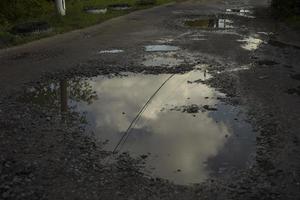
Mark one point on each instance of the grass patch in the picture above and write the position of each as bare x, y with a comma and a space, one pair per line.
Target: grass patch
15, 13
287, 11
293, 21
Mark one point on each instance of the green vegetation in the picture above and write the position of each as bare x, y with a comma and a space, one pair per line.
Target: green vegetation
14, 12
288, 11
286, 8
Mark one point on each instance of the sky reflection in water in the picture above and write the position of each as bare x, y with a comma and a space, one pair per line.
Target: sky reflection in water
181, 146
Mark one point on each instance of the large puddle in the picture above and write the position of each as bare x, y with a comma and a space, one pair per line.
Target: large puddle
177, 124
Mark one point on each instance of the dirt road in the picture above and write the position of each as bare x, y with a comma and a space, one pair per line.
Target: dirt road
191, 100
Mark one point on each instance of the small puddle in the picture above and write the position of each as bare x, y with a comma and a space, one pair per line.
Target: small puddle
240, 12
251, 43
161, 48
210, 23
112, 51
184, 133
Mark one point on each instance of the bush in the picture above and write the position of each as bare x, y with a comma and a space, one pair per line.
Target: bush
286, 8
21, 10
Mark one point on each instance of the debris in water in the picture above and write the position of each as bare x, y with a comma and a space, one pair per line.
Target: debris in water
144, 156
207, 107
191, 109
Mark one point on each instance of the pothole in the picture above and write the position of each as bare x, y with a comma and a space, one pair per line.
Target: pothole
161, 48
178, 126
251, 43
111, 51
240, 12
169, 59
209, 23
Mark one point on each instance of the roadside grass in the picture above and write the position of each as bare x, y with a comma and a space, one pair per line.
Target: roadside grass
293, 21
76, 18
287, 11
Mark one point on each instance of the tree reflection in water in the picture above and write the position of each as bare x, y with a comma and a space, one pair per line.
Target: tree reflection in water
60, 95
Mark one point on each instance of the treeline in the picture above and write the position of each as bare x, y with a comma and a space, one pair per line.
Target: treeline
286, 8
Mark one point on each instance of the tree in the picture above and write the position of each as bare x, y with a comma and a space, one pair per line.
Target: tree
22, 10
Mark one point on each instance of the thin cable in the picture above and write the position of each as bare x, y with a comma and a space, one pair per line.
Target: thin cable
171, 93
139, 114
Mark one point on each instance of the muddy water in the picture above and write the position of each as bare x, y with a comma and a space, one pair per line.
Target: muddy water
185, 133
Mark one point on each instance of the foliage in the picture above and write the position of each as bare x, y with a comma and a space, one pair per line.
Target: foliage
286, 8
49, 93
17, 10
